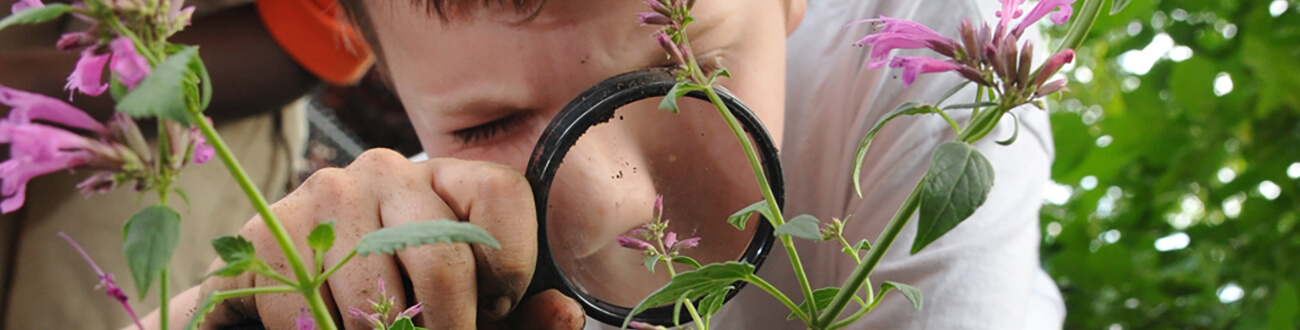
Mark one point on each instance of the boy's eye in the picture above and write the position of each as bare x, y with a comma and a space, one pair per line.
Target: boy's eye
486, 131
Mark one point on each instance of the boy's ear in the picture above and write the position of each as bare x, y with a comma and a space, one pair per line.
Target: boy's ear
794, 10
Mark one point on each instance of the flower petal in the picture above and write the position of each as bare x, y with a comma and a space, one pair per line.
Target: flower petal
633, 243
22, 5
916, 65
88, 75
129, 66
31, 106
1042, 9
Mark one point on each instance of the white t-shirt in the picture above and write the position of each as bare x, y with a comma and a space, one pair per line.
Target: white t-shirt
985, 273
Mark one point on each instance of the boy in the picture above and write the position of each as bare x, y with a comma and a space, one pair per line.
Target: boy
480, 80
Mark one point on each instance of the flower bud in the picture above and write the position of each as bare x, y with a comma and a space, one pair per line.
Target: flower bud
674, 53
1051, 88
635, 244
653, 18
1053, 65
1026, 60
969, 41
76, 41
123, 129
658, 7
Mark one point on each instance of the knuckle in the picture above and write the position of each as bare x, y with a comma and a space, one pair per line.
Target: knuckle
327, 179
379, 161
498, 178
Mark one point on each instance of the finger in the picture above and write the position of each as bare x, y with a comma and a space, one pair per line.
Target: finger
498, 199
547, 310
386, 175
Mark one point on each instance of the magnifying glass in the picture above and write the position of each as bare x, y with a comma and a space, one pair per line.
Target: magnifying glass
596, 173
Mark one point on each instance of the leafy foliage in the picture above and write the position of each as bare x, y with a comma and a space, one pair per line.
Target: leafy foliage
36, 15
236, 252
803, 226
392, 239
740, 217
905, 109
695, 284
156, 95
149, 238
911, 293
957, 183
1178, 201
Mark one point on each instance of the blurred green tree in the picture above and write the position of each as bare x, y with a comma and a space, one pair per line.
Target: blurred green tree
1177, 160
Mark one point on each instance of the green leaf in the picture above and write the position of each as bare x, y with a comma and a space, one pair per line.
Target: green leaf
237, 252
1283, 310
907, 108
184, 197
687, 261
719, 73
912, 293
650, 262
803, 226
970, 105
1117, 5
159, 94
200, 70
209, 305
679, 90
952, 92
402, 324
957, 183
390, 240
36, 15
863, 245
1014, 133
694, 284
149, 238
321, 238
712, 302
822, 297
739, 218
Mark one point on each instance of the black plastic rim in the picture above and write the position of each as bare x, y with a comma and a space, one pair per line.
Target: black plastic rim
597, 105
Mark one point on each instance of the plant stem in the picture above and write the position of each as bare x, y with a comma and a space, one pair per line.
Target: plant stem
859, 275
858, 315
761, 284
852, 251
163, 298
1082, 24
328, 272
699, 322
757, 167
273, 224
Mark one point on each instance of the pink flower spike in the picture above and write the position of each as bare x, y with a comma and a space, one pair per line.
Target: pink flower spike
27, 107
129, 66
902, 34
412, 312
88, 76
105, 280
357, 313
305, 321
916, 65
1042, 9
75, 41
670, 239
1053, 65
687, 243
1010, 6
657, 6
202, 151
22, 5
633, 243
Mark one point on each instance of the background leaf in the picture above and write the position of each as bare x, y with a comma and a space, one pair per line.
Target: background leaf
677, 92
913, 294
694, 284
1117, 5
823, 298
391, 239
957, 182
36, 15
803, 226
160, 93
149, 238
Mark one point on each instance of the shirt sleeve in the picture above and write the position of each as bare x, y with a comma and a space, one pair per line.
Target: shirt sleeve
318, 36
985, 273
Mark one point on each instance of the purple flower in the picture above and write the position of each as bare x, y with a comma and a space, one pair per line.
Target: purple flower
1051, 88
105, 281
633, 243
686, 243
76, 40
412, 312
202, 151
1043, 8
305, 321
915, 65
22, 5
1010, 6
902, 34
666, 42
129, 66
28, 107
35, 150
670, 239
658, 6
653, 18
88, 76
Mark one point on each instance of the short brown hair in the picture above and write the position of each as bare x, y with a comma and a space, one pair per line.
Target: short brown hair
451, 9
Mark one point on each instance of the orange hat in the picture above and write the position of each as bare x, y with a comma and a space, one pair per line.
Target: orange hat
315, 33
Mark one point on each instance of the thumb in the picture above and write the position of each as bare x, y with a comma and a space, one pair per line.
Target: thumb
549, 310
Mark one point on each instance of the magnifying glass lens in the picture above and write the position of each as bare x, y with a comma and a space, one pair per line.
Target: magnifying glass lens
607, 186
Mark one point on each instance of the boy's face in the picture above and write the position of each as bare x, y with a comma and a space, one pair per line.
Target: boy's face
484, 88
